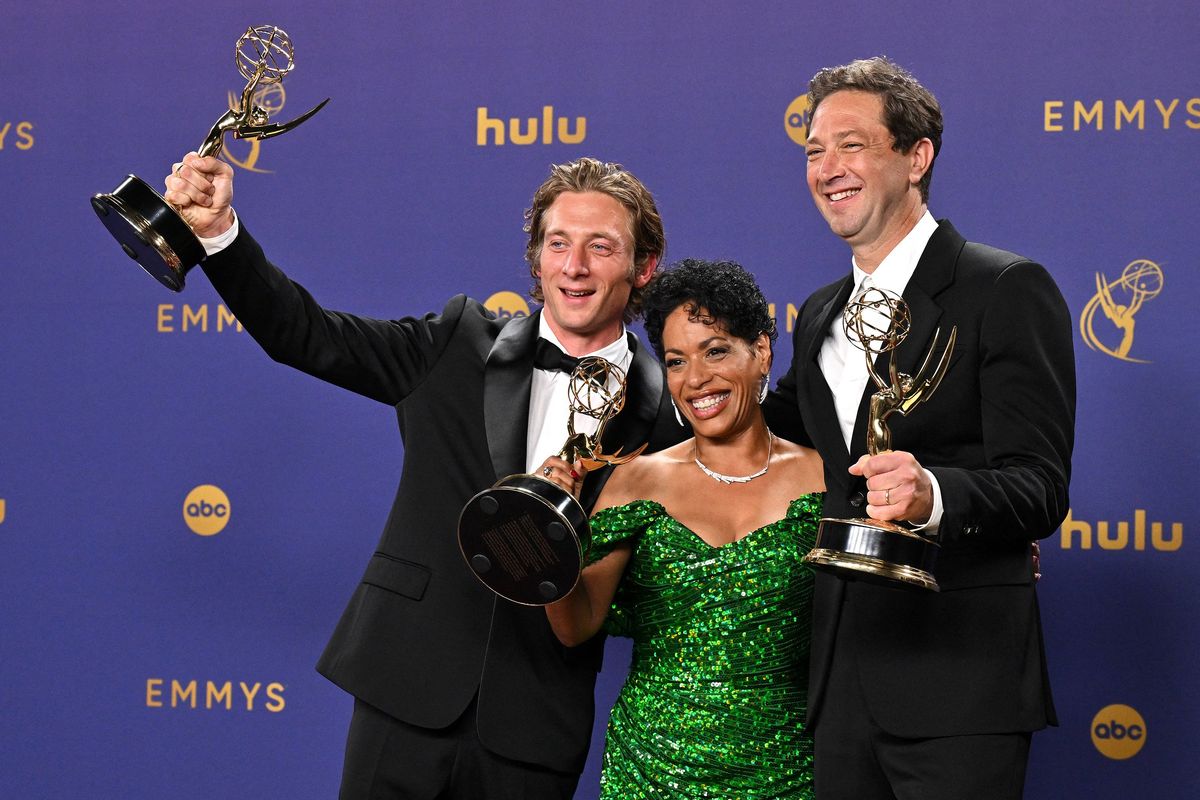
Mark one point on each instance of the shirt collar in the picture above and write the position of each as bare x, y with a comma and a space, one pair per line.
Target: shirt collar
897, 267
615, 353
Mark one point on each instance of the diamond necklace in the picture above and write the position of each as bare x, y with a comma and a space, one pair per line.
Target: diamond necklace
727, 479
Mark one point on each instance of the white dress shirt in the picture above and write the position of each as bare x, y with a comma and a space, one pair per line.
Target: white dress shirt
845, 366
549, 406
216, 244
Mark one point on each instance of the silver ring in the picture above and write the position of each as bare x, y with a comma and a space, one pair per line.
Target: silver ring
546, 471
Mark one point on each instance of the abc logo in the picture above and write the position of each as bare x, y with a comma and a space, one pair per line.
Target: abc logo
507, 304
206, 510
1118, 731
796, 119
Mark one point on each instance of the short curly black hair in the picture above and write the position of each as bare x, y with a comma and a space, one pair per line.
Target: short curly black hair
714, 292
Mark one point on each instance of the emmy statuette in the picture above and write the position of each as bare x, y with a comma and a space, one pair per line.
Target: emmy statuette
525, 537
148, 229
877, 321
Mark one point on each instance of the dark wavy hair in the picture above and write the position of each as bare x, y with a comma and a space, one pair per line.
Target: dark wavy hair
713, 292
910, 111
591, 175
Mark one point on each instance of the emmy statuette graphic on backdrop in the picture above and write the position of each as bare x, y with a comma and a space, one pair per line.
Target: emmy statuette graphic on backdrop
1141, 280
148, 229
877, 321
525, 537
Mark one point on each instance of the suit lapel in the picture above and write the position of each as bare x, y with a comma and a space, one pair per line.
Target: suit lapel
826, 431
508, 376
934, 272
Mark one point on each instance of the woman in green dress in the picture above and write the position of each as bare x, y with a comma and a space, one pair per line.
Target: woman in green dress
696, 555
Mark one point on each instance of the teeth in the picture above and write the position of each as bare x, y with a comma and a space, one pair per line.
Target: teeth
843, 195
576, 294
710, 401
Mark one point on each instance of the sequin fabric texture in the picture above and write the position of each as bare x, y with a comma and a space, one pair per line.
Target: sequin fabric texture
714, 702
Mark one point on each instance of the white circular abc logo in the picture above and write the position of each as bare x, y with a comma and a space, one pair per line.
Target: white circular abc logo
507, 304
1118, 731
206, 510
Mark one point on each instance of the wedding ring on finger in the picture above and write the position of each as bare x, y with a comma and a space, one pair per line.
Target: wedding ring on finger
887, 497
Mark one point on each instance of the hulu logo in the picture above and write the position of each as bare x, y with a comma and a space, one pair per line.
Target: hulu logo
1121, 535
528, 130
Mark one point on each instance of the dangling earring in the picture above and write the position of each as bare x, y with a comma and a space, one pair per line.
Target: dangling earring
678, 416
762, 391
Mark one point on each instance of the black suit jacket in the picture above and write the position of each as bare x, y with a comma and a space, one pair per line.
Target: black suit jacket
997, 435
421, 636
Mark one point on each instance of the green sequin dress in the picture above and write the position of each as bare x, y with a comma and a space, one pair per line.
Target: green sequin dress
714, 702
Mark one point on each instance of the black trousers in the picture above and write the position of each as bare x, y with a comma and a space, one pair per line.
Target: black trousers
387, 759
854, 759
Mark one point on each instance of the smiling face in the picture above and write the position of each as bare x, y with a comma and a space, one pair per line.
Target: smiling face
586, 266
714, 377
868, 193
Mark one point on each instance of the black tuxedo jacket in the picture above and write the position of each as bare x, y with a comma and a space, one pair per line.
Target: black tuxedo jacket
421, 636
997, 435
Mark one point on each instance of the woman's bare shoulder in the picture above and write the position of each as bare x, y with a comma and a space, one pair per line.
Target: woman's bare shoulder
641, 478
802, 464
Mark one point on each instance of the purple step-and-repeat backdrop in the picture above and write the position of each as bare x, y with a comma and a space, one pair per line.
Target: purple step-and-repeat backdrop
181, 520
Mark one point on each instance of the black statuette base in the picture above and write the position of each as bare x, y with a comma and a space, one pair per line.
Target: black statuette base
862, 549
524, 539
150, 231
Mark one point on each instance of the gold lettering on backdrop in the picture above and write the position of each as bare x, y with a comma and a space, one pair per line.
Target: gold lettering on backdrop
197, 316
249, 693
1166, 111
1120, 535
275, 693
1093, 114
154, 692
570, 138
221, 693
171, 318
218, 695
1053, 115
183, 692
225, 319
1130, 113
22, 138
527, 130
516, 136
1125, 115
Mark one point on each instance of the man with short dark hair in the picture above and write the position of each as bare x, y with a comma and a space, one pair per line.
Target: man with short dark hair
914, 694
459, 694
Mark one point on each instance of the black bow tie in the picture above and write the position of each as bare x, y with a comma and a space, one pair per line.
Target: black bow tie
548, 356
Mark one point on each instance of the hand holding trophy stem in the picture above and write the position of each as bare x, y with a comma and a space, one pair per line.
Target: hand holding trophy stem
877, 322
148, 229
